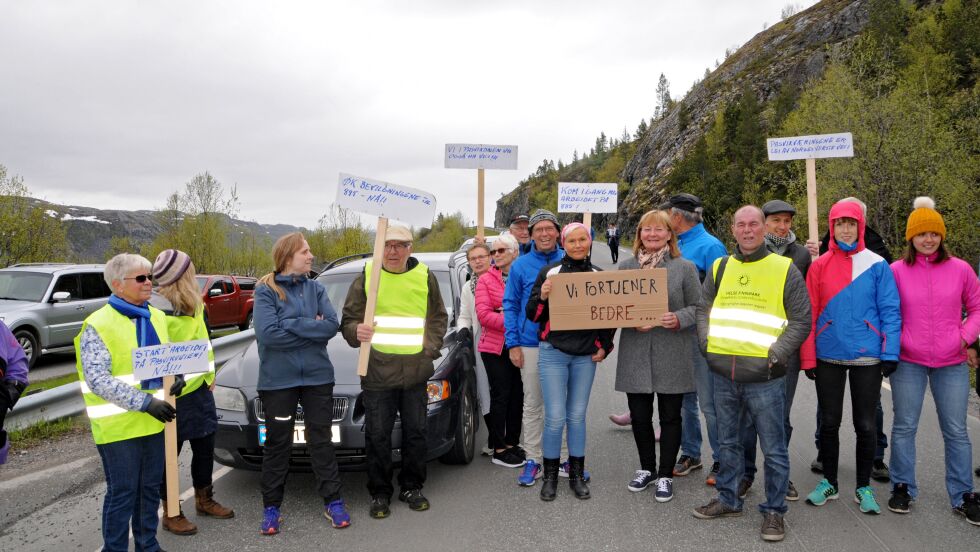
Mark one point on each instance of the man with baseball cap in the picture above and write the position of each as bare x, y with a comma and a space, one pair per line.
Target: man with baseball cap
410, 321
519, 229
701, 248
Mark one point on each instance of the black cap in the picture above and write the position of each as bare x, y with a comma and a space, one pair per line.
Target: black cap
685, 202
777, 206
519, 218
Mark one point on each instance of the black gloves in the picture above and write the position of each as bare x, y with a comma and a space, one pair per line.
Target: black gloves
465, 336
888, 367
179, 384
161, 410
10, 391
811, 374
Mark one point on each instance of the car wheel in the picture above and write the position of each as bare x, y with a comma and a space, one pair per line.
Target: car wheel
247, 323
29, 343
464, 442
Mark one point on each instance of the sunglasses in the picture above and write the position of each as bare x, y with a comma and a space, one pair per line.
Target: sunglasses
500, 251
141, 278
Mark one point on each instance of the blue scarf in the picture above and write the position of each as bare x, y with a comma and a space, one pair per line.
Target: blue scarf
146, 335
845, 247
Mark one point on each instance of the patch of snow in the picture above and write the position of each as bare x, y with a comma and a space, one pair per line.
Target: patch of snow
88, 218
51, 213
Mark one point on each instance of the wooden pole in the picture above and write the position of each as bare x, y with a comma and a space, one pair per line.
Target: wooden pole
372, 292
811, 198
479, 203
170, 453
587, 221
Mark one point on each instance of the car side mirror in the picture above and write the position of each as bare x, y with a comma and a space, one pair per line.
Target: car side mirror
214, 292
60, 297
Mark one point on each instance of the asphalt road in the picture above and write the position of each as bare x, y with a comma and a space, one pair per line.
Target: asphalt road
480, 506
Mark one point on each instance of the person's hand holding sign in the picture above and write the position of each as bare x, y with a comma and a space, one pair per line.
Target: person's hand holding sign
599, 355
546, 289
365, 332
669, 321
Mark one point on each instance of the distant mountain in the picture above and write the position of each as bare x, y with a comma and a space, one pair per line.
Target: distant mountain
90, 230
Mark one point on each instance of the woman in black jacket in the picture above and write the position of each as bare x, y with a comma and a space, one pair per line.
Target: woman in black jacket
566, 368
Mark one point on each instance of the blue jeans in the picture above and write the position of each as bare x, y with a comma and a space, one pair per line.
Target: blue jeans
765, 404
690, 420
950, 387
133, 471
566, 383
749, 434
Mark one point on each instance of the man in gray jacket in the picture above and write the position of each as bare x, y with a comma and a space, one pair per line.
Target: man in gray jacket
749, 324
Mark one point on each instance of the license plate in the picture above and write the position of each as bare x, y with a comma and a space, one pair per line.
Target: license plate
299, 435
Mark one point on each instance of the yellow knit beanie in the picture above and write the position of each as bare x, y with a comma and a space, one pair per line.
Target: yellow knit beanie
924, 218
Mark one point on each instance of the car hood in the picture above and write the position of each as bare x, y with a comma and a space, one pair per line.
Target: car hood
13, 305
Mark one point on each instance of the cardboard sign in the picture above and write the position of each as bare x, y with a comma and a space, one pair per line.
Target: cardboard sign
609, 299
588, 197
170, 359
481, 156
383, 199
811, 147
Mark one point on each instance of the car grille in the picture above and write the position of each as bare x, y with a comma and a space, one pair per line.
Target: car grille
340, 405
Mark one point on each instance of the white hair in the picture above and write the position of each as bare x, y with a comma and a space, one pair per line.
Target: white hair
508, 241
122, 264
692, 218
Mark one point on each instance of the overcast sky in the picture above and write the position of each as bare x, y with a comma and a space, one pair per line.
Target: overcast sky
117, 104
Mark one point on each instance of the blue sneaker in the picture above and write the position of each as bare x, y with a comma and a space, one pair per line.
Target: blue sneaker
824, 492
531, 472
641, 480
563, 472
865, 496
271, 518
665, 489
336, 512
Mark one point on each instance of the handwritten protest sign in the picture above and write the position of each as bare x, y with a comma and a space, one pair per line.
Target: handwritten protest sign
383, 199
481, 156
611, 299
811, 147
171, 359
579, 197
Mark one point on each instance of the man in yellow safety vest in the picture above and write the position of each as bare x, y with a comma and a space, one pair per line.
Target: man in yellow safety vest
410, 322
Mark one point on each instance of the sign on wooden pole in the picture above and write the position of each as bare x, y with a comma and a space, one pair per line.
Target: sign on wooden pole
588, 198
480, 157
386, 201
170, 454
811, 148
613, 299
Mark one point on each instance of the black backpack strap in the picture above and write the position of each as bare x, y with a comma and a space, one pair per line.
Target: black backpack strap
721, 271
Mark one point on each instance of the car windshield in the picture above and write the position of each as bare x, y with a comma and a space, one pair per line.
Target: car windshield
23, 286
338, 285
201, 282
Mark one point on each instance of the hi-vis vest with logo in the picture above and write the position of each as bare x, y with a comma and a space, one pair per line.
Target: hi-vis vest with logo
400, 313
748, 313
111, 423
189, 328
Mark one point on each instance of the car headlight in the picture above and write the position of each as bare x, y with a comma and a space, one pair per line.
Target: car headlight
228, 398
438, 390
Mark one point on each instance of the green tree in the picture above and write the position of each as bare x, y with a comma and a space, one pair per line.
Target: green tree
27, 232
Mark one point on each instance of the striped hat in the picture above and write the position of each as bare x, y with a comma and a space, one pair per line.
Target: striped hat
169, 266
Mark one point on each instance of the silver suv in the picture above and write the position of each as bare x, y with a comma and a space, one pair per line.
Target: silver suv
44, 304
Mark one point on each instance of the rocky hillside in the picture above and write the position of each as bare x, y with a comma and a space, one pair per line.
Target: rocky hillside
90, 230
794, 50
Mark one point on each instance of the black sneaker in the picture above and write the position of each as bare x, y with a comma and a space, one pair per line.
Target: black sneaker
414, 499
380, 507
817, 465
519, 452
507, 458
791, 493
685, 465
970, 508
743, 487
879, 472
900, 500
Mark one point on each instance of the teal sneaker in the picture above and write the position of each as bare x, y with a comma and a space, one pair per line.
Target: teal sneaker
824, 492
865, 496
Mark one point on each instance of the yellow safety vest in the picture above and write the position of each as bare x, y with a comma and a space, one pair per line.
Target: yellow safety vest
748, 313
190, 328
110, 423
400, 312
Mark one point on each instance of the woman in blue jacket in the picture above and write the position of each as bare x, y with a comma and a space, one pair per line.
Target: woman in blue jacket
293, 323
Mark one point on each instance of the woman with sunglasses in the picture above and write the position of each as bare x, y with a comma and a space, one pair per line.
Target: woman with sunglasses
469, 330
506, 386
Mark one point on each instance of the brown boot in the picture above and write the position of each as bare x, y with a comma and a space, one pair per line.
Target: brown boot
207, 506
178, 525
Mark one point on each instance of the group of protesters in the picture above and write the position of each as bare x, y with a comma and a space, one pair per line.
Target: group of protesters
738, 330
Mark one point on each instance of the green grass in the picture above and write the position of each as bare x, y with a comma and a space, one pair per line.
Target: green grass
40, 432
51, 383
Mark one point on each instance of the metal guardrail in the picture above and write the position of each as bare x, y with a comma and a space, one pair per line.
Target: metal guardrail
66, 400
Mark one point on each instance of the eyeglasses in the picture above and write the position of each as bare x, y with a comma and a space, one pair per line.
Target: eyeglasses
142, 278
398, 246
500, 251
479, 257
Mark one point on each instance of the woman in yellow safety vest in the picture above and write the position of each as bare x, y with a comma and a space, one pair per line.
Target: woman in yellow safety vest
127, 415
179, 297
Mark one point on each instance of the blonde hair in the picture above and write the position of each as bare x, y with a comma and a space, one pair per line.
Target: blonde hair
184, 295
282, 253
661, 218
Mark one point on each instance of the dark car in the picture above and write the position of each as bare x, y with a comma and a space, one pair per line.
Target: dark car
452, 412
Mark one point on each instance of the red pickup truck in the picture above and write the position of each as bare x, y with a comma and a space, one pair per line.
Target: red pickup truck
228, 300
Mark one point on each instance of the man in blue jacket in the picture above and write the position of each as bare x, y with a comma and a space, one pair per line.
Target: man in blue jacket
701, 248
522, 335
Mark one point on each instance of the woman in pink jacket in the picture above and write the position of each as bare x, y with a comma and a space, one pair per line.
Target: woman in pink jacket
935, 288
506, 386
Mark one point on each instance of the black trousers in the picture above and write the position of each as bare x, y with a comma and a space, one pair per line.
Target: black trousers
865, 384
506, 401
280, 418
641, 411
614, 249
202, 463
379, 420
